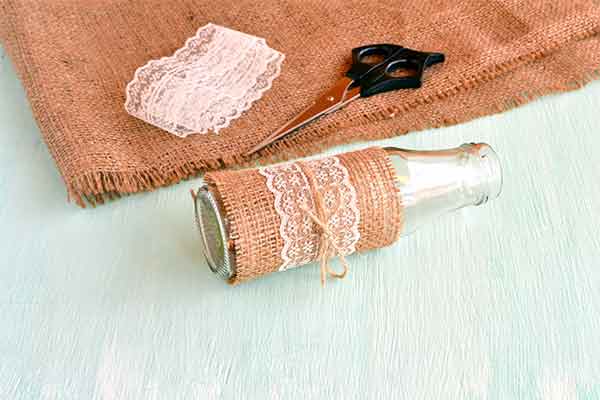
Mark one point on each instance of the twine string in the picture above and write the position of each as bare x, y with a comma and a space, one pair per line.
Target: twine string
328, 237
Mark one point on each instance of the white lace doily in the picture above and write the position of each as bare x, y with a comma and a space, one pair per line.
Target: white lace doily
206, 84
293, 196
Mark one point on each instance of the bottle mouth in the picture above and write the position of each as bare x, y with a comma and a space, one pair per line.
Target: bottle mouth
491, 177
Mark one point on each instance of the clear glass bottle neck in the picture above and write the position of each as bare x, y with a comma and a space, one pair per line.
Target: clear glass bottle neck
432, 183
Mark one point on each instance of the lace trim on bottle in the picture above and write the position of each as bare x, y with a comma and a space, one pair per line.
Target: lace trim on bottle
206, 84
293, 197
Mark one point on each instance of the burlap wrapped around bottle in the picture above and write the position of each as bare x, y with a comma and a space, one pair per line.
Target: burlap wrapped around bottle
274, 214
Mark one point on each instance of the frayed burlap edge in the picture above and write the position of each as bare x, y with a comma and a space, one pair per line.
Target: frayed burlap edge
95, 187
99, 185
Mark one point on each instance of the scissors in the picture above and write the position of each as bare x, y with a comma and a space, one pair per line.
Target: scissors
375, 69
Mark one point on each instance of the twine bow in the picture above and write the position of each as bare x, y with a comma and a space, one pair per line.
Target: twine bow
328, 237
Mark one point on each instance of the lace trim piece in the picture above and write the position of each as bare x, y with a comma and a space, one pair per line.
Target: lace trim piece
206, 84
293, 196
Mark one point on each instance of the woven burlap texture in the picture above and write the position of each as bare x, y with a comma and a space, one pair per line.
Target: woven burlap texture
254, 225
76, 57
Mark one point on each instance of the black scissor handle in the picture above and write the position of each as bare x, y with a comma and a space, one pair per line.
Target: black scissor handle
398, 68
367, 58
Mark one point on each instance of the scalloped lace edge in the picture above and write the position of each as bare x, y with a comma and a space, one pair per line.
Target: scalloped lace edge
289, 185
275, 63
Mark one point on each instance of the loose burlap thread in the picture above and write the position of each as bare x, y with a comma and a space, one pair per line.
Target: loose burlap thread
76, 57
254, 225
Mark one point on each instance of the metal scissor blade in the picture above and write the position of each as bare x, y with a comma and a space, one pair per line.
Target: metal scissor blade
337, 97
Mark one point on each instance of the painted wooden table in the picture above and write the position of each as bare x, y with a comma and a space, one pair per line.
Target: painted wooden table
496, 302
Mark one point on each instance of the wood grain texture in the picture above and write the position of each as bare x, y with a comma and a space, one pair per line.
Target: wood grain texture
495, 302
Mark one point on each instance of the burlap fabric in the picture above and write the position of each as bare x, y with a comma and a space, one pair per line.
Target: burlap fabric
254, 225
76, 57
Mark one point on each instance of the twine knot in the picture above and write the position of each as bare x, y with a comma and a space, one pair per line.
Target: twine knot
328, 237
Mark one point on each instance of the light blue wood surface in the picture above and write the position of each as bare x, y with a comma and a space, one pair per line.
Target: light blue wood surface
495, 302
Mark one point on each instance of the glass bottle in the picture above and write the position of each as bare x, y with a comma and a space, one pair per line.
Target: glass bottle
430, 183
